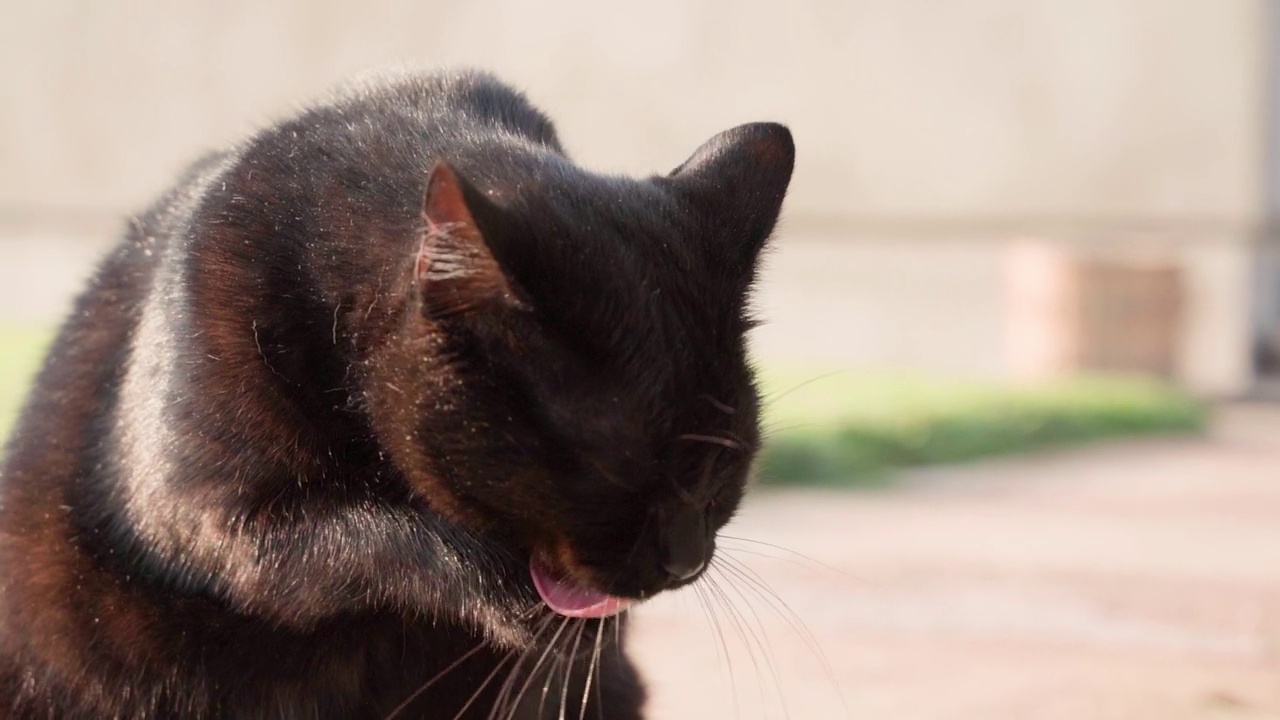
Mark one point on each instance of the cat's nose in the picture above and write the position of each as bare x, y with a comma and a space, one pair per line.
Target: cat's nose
683, 545
684, 568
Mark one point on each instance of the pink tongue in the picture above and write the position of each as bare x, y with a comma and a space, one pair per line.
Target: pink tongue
571, 600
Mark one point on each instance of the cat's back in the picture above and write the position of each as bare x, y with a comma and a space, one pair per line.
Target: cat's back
197, 318
371, 126
66, 411
466, 102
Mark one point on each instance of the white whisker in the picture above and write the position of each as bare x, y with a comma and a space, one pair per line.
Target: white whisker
722, 648
504, 692
591, 669
568, 672
483, 684
749, 635
432, 680
774, 602
533, 672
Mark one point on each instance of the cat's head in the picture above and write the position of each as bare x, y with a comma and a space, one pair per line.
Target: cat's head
568, 379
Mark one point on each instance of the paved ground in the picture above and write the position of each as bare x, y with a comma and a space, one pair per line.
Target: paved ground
1129, 581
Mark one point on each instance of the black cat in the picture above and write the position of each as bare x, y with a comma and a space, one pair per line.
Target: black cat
389, 410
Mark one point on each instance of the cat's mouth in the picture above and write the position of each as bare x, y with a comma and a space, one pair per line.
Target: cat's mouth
567, 597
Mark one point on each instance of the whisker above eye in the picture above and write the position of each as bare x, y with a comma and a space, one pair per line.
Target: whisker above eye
778, 395
609, 476
726, 409
712, 439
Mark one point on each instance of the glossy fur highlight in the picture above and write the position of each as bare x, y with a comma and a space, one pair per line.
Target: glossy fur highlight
301, 437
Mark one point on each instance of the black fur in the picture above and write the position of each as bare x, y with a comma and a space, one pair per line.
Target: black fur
292, 451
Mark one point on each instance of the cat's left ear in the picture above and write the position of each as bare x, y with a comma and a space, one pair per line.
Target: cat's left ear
455, 270
737, 181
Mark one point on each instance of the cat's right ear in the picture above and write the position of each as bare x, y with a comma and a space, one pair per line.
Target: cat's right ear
455, 270
736, 183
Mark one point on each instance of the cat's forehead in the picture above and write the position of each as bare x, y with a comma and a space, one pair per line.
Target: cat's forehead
629, 271
586, 238
565, 203
621, 264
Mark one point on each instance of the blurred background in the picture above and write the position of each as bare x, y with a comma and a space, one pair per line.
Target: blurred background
1014, 226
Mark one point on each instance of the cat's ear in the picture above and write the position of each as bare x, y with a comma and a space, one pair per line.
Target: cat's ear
455, 270
737, 181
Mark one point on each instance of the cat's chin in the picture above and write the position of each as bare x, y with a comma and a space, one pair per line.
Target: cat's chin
568, 598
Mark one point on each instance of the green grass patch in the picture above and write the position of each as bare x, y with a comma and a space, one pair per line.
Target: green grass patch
21, 352
855, 427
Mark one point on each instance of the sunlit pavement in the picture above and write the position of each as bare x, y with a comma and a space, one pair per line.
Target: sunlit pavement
1134, 580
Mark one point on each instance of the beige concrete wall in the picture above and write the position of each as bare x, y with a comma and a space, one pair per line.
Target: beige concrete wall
905, 109
917, 121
